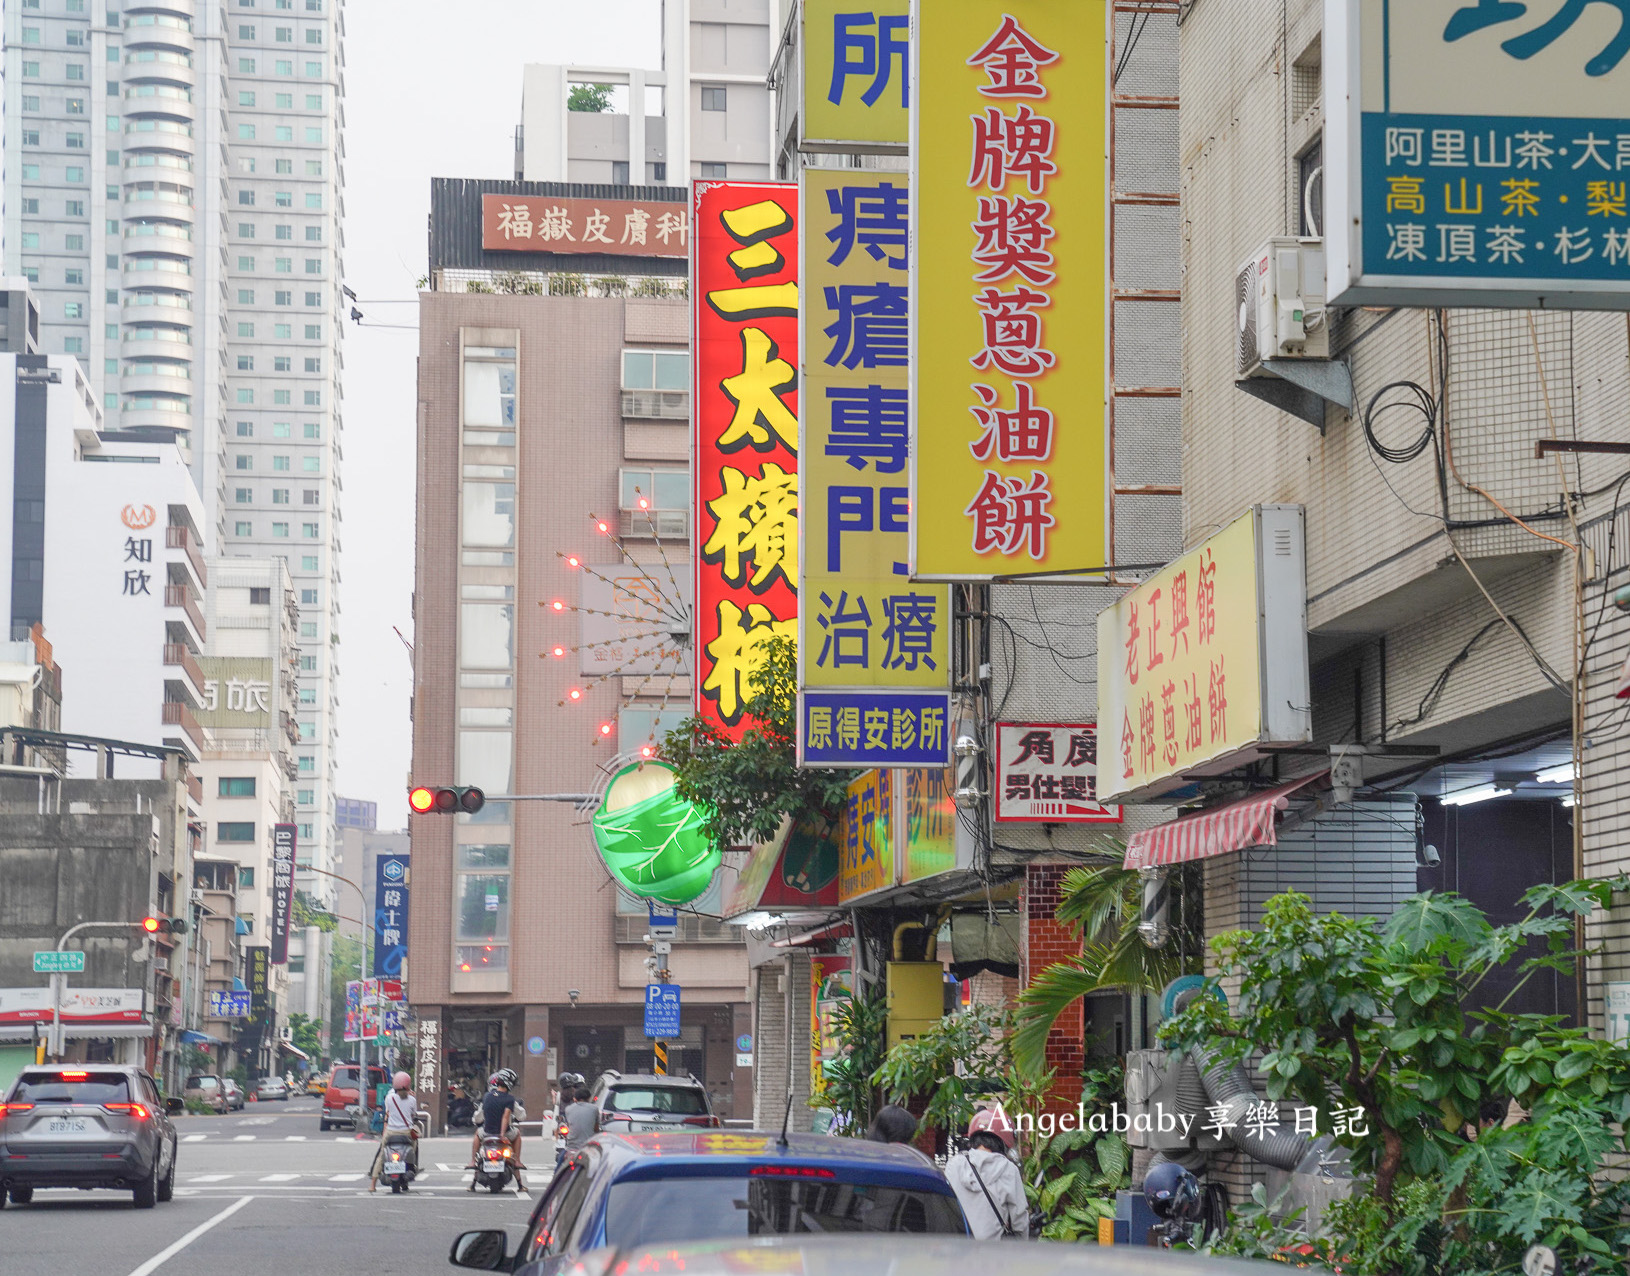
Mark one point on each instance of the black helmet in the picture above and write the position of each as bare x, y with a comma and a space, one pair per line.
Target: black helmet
1172, 1192
571, 1078
506, 1077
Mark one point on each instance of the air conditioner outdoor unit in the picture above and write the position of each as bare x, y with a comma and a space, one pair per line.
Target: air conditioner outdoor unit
645, 524
196, 895
1279, 297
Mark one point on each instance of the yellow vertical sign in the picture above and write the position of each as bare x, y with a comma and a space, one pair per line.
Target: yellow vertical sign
1010, 171
867, 862
857, 67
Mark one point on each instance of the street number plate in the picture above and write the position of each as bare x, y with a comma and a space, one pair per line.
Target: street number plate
68, 1127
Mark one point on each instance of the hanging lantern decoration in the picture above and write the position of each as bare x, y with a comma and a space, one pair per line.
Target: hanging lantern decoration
653, 841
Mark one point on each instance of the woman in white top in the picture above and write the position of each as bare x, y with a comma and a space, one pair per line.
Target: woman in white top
987, 1182
401, 1114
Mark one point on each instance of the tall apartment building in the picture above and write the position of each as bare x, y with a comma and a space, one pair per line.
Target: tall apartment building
706, 113
173, 195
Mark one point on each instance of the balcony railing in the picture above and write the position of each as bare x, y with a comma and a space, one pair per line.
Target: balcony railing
182, 538
656, 405
180, 596
177, 714
177, 655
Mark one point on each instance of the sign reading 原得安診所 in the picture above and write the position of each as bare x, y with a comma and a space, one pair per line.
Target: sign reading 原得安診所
1477, 153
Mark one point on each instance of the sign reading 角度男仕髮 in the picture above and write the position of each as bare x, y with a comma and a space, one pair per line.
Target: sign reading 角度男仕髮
1203, 667
1477, 153
857, 76
1009, 171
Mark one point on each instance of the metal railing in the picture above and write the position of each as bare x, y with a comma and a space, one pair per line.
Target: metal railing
177, 714
177, 655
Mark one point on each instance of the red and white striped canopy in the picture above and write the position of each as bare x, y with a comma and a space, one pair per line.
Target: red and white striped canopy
1248, 822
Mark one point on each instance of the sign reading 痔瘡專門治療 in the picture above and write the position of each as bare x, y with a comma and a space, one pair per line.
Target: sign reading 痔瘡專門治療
1203, 667
618, 227
857, 76
1477, 153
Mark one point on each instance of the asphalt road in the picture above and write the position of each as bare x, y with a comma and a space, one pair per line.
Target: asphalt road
263, 1191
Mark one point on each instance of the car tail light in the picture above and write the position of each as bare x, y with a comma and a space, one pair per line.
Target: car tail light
137, 1110
6, 1109
791, 1172
75, 1076
710, 1121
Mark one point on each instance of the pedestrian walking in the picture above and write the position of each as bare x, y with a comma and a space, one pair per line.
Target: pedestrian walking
988, 1183
892, 1124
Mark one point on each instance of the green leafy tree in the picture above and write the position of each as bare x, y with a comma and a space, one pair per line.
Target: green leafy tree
1369, 1024
307, 1035
958, 1059
1073, 1175
860, 1025
307, 913
752, 784
593, 98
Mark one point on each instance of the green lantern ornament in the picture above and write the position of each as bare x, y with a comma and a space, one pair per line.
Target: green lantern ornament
653, 841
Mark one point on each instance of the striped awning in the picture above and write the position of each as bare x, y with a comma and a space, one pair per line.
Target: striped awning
1247, 822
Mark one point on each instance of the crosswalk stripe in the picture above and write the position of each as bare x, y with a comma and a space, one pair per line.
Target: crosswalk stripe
243, 1138
294, 1138
209, 1178
195, 1138
346, 1178
279, 1178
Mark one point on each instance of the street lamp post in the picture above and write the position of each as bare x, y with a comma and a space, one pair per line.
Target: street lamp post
59, 982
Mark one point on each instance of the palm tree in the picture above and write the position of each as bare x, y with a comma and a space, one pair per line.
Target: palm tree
1102, 905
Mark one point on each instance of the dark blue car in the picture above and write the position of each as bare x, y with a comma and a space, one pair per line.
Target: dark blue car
627, 1190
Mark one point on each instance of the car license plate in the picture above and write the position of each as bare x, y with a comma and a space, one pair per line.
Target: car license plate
68, 1125
648, 1126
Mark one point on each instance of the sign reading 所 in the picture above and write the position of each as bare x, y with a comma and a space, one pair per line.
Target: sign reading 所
1478, 153
619, 227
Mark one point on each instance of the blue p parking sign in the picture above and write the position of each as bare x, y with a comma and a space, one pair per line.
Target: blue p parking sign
661, 1011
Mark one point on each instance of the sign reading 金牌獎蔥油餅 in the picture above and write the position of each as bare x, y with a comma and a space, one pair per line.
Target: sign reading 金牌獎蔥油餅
618, 227
390, 915
873, 728
744, 284
1477, 153
857, 76
1009, 288
1203, 667
1048, 774
283, 856
863, 623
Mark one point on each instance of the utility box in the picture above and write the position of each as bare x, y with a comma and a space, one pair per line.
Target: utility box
916, 998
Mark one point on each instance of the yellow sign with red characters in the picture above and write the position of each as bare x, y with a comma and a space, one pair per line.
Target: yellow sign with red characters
866, 861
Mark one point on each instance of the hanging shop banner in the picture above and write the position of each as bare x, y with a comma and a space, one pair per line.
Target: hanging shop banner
1203, 667
1478, 153
831, 983
390, 915
868, 863
257, 973
283, 853
744, 281
873, 728
857, 76
864, 625
1048, 774
928, 825
1009, 169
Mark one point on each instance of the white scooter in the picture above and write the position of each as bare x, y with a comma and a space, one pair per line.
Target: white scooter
401, 1160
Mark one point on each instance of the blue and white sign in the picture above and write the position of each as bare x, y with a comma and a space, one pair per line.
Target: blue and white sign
661, 919
536, 1045
390, 915
661, 1011
882, 729
229, 1005
1478, 153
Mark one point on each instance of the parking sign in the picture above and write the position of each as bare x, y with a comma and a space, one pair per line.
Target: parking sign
661, 1011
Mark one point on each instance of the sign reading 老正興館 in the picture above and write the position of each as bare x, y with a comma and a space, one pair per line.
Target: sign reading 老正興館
661, 1011
1203, 667
1048, 774
857, 76
283, 854
1477, 153
390, 915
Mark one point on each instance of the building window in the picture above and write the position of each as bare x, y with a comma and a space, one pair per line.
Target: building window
280, 530
31, 70
285, 68
246, 198
313, 398
285, 232
260, 596
314, 332
285, 35
308, 598
246, 99
314, 365
283, 298
74, 310
280, 462
311, 464
236, 786
246, 230
281, 399
314, 101
246, 429
308, 562
283, 133
246, 132
73, 276
281, 363
73, 345
76, 71
280, 496
309, 531
244, 461
314, 168
246, 296
244, 495
619, 172
243, 529
308, 664
76, 106
282, 331
314, 70
31, 137
713, 97
308, 628
246, 329
245, 395
283, 199
314, 266
305, 831
285, 168
314, 200
313, 496
246, 33
235, 831
283, 265
308, 764
31, 173
280, 429
305, 797
715, 170
314, 299
246, 263
74, 207
246, 875
246, 363
246, 66
31, 239
656, 370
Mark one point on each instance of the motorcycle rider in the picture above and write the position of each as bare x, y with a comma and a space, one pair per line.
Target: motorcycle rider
401, 1113
499, 1118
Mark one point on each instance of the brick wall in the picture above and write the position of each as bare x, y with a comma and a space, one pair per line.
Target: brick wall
1043, 942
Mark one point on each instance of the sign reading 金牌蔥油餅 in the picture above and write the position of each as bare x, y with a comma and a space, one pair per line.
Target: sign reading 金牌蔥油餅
873, 728
863, 623
630, 618
619, 227
857, 76
1203, 667
390, 915
866, 862
237, 691
257, 967
1048, 774
744, 286
283, 857
1010, 185
1477, 153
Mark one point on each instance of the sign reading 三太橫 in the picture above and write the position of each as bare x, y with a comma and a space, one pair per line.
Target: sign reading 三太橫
744, 281
863, 623
257, 966
857, 76
873, 728
283, 856
867, 862
1478, 153
616, 227
1203, 667
629, 621
1048, 774
390, 915
1009, 173
237, 691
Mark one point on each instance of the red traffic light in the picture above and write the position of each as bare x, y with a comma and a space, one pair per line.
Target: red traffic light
164, 925
423, 800
152, 925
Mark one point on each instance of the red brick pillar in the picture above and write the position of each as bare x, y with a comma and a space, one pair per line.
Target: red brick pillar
1044, 942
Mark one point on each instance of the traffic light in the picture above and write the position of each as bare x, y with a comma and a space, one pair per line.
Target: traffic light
164, 925
424, 800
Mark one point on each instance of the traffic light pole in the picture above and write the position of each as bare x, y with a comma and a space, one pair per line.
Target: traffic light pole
59, 982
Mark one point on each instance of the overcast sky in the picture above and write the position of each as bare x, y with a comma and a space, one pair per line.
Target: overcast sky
433, 89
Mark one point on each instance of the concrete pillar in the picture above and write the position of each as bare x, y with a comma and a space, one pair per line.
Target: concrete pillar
536, 1092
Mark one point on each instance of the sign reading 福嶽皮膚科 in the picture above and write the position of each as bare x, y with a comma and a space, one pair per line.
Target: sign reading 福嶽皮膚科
1009, 288
1477, 153
744, 287
1203, 667
618, 227
857, 76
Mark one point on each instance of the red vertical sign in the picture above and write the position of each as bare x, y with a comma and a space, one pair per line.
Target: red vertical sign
744, 273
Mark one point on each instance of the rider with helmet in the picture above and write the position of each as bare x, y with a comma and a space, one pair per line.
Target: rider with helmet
497, 1114
401, 1120
987, 1182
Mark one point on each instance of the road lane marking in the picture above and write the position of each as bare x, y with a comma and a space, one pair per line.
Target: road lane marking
294, 1138
164, 1255
280, 1178
243, 1138
208, 1178
195, 1138
347, 1178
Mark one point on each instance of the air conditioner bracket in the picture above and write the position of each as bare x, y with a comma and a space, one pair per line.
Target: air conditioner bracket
1303, 387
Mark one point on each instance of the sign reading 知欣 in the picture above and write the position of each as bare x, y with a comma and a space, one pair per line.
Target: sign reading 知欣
237, 692
283, 851
873, 728
867, 862
857, 76
633, 620
229, 1005
1477, 153
661, 1011
744, 285
68, 962
1203, 667
1046, 773
864, 626
257, 973
390, 915
1009, 172
618, 227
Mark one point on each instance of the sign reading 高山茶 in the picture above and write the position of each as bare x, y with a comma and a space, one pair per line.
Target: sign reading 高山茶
857, 76
1203, 667
618, 227
1478, 153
